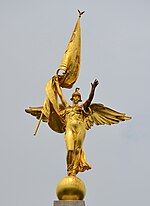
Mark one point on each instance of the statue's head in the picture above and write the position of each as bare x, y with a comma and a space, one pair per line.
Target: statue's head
76, 96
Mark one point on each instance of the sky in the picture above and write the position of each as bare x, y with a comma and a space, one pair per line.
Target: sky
115, 50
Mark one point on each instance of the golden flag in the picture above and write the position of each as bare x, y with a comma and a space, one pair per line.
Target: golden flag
70, 64
71, 60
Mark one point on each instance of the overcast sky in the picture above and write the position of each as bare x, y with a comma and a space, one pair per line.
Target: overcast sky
115, 50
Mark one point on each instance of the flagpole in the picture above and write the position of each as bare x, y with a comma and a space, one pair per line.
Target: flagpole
38, 123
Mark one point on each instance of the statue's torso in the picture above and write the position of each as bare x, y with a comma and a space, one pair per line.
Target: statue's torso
74, 116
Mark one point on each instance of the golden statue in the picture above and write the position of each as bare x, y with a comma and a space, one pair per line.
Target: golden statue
75, 119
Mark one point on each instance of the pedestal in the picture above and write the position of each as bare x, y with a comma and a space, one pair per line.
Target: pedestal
69, 203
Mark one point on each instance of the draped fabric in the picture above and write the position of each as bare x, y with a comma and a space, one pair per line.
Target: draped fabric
51, 108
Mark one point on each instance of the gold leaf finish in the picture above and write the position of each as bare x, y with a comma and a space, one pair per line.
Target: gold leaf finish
71, 188
73, 120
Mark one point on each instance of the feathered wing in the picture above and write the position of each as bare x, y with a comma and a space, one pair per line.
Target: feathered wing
54, 120
36, 111
100, 115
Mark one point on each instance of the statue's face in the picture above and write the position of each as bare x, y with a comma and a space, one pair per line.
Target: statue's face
76, 99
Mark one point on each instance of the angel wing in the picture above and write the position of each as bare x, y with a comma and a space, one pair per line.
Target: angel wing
36, 111
100, 115
54, 120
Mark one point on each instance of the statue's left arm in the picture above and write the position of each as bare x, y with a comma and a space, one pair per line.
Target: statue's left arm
89, 100
60, 93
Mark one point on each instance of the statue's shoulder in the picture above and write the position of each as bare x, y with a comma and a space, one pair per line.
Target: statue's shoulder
86, 112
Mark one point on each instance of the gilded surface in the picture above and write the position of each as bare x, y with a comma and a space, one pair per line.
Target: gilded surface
73, 120
71, 188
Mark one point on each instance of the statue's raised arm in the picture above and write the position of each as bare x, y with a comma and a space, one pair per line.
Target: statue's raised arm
89, 100
60, 93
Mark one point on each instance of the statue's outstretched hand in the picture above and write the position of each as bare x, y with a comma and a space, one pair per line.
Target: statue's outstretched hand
95, 83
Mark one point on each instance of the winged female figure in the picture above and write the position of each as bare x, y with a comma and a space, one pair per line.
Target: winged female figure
74, 120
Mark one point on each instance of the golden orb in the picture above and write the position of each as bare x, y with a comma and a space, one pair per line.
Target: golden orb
71, 188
